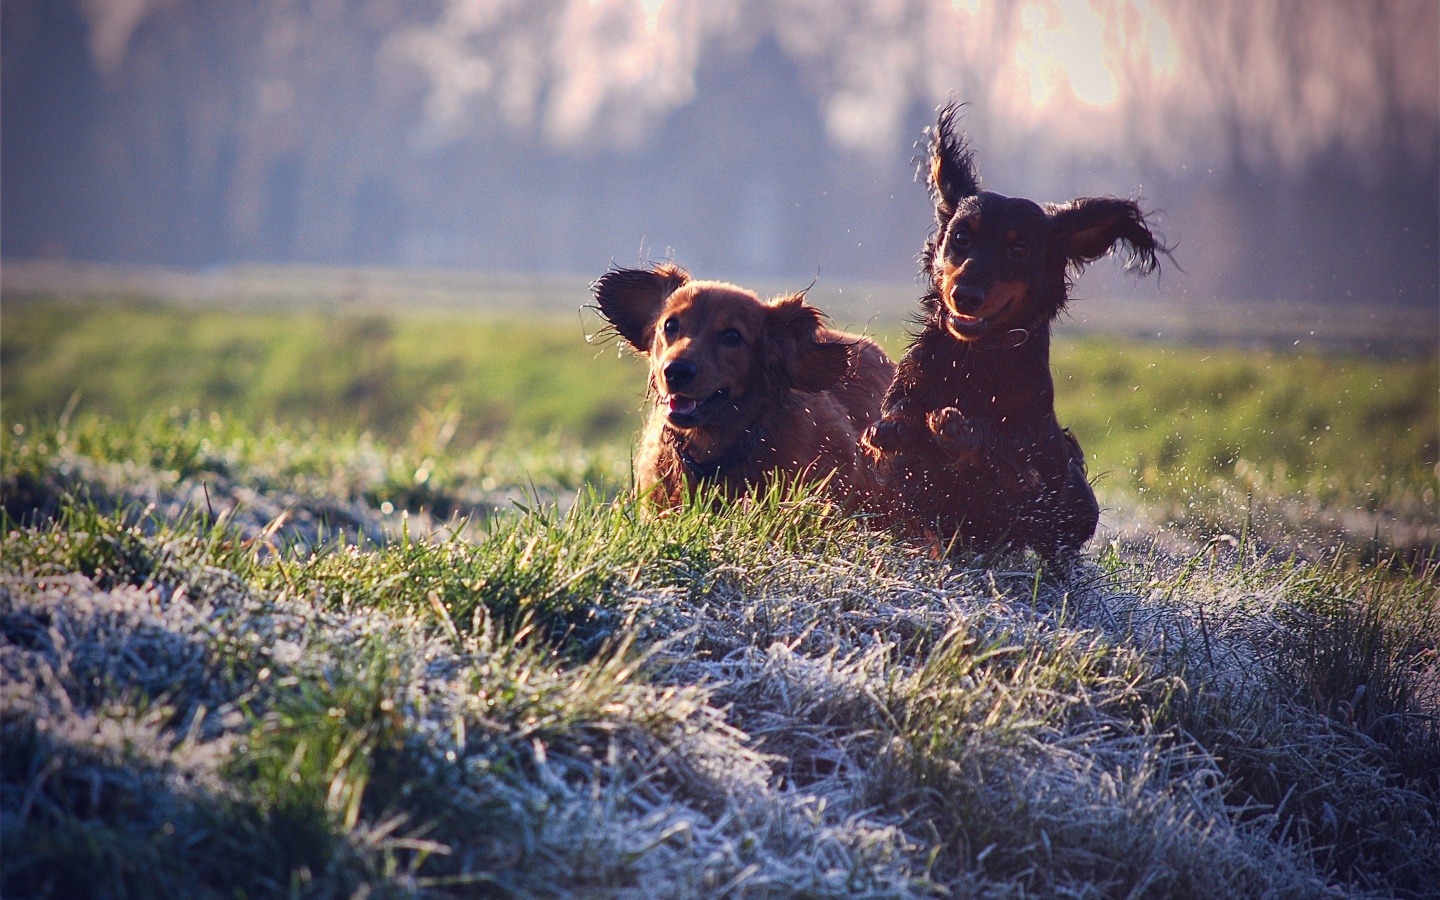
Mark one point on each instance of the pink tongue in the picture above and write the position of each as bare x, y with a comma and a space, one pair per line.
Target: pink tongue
682, 405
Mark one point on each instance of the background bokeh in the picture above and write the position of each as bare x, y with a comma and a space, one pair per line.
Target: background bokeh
1293, 146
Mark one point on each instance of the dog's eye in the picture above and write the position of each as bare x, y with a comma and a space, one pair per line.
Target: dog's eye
1019, 250
672, 326
960, 240
731, 338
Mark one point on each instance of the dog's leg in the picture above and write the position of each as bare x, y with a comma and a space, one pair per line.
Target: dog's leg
1073, 449
1082, 511
961, 438
1070, 519
891, 433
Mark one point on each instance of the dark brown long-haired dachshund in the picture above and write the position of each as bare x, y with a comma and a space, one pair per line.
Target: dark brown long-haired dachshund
744, 388
968, 444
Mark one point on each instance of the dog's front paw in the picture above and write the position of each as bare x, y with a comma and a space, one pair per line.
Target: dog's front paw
886, 435
953, 432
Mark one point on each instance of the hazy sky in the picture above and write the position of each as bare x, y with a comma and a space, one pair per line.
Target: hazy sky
1118, 76
1293, 145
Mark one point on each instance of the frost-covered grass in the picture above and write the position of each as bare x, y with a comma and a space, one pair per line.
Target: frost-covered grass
226, 671
324, 484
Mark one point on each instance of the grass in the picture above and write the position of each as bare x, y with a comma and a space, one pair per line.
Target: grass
1314, 449
323, 653
348, 371
765, 700
1303, 450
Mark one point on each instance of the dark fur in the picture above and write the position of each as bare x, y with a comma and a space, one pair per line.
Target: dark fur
744, 388
968, 444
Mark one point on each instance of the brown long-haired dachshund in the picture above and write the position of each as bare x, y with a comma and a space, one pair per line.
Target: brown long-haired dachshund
744, 388
968, 444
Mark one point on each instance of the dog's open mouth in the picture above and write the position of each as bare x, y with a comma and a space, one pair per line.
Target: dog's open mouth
687, 412
969, 328
965, 327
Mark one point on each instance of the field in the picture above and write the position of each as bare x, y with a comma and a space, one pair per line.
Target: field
303, 597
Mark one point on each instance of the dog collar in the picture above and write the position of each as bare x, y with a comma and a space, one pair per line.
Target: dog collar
707, 470
1007, 341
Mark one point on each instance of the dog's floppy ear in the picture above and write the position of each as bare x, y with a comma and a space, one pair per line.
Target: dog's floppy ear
1084, 230
805, 362
953, 175
631, 300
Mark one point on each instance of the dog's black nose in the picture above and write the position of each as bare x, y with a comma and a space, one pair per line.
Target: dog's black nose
967, 299
678, 374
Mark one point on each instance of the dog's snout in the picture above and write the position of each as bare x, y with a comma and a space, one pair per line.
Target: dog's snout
679, 373
967, 299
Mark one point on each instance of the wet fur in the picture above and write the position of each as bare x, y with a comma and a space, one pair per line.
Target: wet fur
968, 446
773, 389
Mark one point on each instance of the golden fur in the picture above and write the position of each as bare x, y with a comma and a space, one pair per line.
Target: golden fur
744, 388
